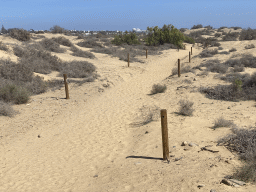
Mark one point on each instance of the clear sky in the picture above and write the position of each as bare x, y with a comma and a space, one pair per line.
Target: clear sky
95, 15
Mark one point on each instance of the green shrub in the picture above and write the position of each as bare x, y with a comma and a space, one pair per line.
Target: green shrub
129, 38
168, 34
197, 26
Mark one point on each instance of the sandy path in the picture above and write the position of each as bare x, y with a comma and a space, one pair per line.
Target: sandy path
85, 145
75, 147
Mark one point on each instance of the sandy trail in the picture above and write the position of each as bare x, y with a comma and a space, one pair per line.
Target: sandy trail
85, 140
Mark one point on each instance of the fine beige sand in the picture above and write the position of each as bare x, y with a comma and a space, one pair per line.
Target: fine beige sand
89, 143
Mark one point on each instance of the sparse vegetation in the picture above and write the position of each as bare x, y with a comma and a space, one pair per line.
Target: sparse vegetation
248, 34
20, 34
80, 53
57, 29
243, 142
249, 46
217, 35
233, 49
183, 69
221, 122
3, 46
197, 26
63, 41
89, 44
208, 53
186, 107
51, 45
6, 109
14, 93
157, 88
230, 36
129, 38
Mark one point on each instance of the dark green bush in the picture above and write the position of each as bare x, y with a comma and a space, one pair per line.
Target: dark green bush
168, 34
197, 26
129, 38
57, 29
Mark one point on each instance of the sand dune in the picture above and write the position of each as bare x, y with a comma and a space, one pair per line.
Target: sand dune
87, 143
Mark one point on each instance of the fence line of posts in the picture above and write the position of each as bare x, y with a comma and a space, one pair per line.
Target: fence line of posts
164, 127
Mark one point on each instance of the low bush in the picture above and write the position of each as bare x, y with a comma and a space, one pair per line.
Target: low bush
62, 41
157, 88
14, 94
218, 68
80, 36
242, 142
183, 69
3, 46
208, 53
77, 69
57, 29
217, 35
129, 38
89, 44
186, 107
249, 46
80, 53
197, 26
232, 50
51, 45
247, 34
221, 122
183, 30
6, 109
235, 28
231, 36
20, 34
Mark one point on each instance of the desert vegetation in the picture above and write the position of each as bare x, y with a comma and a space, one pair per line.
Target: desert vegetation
18, 82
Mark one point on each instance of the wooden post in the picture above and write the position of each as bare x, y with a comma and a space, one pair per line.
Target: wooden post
165, 134
146, 53
178, 67
191, 50
128, 60
189, 56
66, 86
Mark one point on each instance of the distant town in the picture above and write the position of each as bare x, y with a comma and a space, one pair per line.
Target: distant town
83, 32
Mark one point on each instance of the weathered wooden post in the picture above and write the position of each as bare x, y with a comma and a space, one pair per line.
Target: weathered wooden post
128, 60
146, 53
191, 50
189, 56
165, 134
66, 86
178, 67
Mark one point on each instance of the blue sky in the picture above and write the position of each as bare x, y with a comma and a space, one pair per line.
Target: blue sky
124, 15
